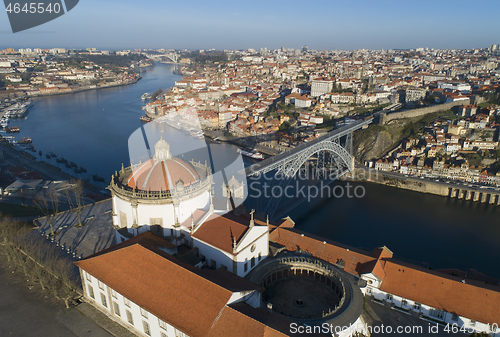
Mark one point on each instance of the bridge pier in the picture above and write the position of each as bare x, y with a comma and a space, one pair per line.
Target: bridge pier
498, 199
460, 194
493, 199
483, 197
468, 195
476, 196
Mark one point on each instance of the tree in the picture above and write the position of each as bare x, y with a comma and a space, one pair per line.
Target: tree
75, 199
40, 261
49, 205
285, 126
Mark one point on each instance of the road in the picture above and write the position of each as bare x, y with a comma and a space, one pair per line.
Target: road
385, 321
23, 314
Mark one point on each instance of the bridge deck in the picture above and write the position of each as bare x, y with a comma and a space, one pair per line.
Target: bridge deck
256, 168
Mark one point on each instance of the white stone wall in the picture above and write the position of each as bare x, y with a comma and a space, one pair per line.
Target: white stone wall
259, 236
125, 305
145, 212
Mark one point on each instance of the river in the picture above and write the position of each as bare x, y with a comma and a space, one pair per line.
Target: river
92, 128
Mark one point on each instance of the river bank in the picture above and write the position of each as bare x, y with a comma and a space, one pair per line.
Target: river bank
436, 187
86, 88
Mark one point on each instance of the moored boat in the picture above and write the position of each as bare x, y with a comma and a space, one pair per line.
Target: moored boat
253, 154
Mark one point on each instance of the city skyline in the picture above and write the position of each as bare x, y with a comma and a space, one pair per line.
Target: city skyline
322, 25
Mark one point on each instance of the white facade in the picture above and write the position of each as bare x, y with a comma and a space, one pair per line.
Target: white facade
127, 213
253, 248
320, 87
302, 102
425, 311
135, 318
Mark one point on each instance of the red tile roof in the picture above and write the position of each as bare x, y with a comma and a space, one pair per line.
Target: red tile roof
442, 292
428, 287
234, 323
292, 239
159, 283
220, 231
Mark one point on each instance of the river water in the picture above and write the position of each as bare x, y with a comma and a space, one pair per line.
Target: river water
92, 128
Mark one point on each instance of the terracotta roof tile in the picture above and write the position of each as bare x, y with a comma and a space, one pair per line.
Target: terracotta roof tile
219, 231
443, 292
157, 282
292, 239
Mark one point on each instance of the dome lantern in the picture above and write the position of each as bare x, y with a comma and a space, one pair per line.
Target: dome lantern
162, 151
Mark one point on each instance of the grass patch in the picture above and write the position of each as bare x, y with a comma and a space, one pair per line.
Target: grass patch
19, 210
485, 104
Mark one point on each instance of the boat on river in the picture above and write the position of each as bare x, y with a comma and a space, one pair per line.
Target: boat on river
253, 154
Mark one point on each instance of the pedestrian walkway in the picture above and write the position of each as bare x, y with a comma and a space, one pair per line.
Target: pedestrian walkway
104, 321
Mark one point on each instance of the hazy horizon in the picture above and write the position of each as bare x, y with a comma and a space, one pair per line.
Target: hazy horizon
322, 25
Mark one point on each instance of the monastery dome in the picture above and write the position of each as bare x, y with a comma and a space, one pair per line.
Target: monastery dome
162, 172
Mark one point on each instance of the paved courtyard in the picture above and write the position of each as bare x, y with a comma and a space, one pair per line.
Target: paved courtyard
301, 297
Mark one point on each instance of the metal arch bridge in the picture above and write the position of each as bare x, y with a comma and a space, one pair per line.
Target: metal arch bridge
289, 163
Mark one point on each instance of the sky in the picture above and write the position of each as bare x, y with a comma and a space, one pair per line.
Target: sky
330, 24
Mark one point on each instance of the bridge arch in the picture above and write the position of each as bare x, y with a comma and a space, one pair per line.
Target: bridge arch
340, 154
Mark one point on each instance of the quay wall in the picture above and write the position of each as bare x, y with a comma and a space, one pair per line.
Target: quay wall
426, 186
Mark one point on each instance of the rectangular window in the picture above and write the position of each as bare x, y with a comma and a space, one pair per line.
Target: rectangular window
88, 277
436, 313
416, 306
162, 324
179, 333
388, 297
404, 303
103, 300
101, 285
117, 308
252, 262
113, 293
130, 319
245, 267
126, 301
144, 313
369, 291
162, 334
145, 325
472, 323
91, 292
